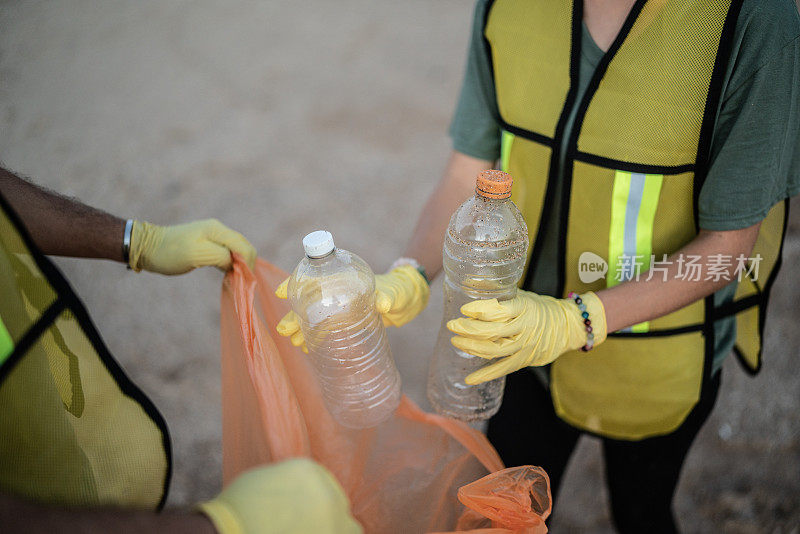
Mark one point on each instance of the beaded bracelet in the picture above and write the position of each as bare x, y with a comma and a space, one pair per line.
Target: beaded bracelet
585, 314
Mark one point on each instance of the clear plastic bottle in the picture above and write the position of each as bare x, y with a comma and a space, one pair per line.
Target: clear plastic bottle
483, 257
333, 293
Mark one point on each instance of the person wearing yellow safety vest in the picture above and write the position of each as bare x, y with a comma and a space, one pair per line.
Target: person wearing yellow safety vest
653, 145
82, 449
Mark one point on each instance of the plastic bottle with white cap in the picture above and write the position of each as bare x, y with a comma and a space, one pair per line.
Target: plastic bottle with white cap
333, 293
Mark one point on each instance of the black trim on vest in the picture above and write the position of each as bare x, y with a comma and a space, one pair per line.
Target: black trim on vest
700, 169
555, 154
704, 150
709, 335
627, 166
660, 333
763, 299
572, 144
712, 105
527, 134
737, 306
701, 165
67, 299
733, 308
743, 362
487, 47
31, 337
521, 132
703, 161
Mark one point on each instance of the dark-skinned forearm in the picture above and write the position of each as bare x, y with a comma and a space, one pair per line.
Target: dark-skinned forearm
21, 516
62, 226
641, 300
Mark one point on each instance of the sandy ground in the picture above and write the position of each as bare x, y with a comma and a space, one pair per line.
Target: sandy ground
282, 117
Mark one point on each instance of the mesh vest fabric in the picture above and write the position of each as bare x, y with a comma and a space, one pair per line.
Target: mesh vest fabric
75, 431
634, 166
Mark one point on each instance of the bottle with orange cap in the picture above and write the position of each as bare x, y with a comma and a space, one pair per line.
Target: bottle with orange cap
483, 258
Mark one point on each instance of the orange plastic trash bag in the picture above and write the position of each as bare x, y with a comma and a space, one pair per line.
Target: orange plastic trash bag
401, 476
517, 497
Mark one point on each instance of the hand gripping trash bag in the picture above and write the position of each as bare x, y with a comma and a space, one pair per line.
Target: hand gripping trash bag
415, 473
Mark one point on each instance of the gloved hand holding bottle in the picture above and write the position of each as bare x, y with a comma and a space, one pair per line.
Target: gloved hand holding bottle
179, 249
528, 330
294, 496
401, 294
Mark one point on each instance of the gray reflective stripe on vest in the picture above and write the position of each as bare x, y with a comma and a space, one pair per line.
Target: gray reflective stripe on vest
630, 241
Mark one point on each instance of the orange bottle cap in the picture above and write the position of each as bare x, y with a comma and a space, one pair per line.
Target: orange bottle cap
494, 184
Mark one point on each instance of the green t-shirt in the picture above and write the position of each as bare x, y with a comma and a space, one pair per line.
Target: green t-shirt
755, 149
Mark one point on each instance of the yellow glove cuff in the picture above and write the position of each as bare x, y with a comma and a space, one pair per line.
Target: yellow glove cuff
144, 236
222, 517
296, 496
402, 294
597, 316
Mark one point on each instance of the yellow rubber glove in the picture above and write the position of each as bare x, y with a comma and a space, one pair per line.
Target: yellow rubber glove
400, 295
181, 248
289, 326
527, 330
297, 496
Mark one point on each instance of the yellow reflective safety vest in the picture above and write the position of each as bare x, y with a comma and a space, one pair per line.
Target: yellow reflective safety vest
633, 169
74, 430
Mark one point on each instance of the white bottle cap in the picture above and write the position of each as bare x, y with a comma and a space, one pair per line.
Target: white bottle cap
318, 244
